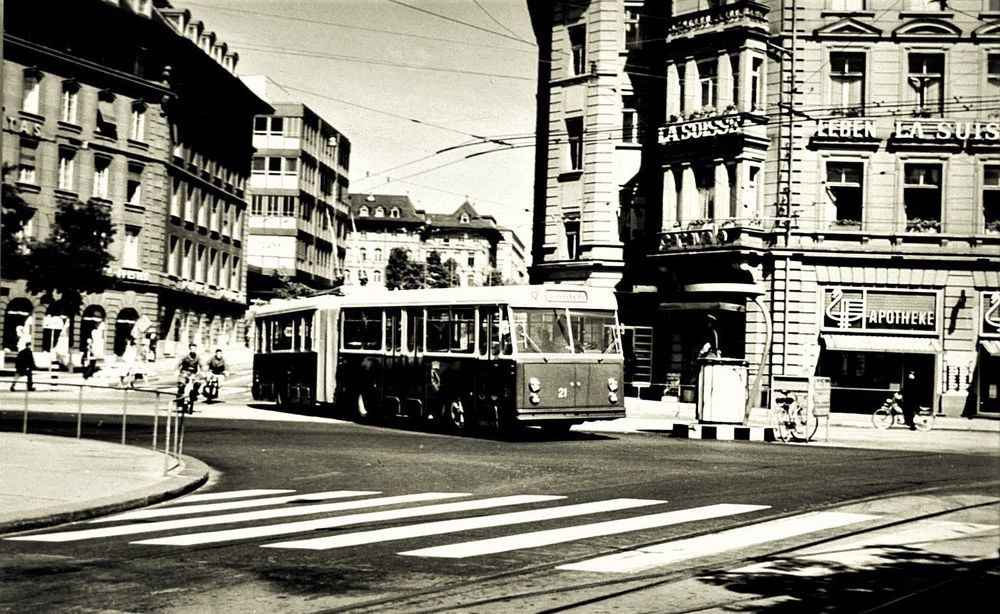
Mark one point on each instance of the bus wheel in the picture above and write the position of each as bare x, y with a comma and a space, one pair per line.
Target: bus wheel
457, 417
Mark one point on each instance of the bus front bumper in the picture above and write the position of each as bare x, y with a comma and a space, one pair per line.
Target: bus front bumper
534, 414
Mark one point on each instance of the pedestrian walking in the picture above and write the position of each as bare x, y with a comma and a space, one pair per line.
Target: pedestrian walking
24, 366
88, 361
127, 376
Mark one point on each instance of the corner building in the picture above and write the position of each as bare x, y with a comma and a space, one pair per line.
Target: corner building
823, 178
152, 124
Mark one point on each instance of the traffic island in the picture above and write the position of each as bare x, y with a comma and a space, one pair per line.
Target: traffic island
723, 432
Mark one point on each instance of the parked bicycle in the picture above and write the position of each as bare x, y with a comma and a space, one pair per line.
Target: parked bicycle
795, 423
891, 413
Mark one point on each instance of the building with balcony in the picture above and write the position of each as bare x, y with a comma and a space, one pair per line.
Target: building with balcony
299, 204
382, 222
134, 105
818, 177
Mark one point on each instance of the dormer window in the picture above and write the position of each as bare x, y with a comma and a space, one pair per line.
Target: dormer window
379, 211
394, 212
363, 211
464, 218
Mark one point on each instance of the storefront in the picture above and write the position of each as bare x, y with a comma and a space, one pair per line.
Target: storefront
988, 359
870, 339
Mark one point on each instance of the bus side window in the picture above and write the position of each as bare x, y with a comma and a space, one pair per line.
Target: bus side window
393, 330
307, 331
484, 331
437, 329
463, 331
415, 329
362, 329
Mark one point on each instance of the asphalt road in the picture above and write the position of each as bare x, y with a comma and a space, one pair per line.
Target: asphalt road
653, 473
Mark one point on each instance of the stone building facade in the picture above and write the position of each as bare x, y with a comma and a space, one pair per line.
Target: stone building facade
819, 177
135, 122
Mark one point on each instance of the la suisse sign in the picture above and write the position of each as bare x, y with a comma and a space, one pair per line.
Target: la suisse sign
861, 309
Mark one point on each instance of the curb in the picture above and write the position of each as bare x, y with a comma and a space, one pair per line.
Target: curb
192, 474
723, 432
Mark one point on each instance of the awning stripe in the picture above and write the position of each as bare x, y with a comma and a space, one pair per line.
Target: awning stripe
882, 343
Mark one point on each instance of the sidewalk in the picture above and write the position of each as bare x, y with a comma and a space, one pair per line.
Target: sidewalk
46, 480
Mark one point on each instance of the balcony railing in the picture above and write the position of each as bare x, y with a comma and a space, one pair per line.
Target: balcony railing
745, 14
710, 234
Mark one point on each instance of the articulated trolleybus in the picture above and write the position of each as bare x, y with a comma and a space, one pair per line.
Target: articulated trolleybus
501, 357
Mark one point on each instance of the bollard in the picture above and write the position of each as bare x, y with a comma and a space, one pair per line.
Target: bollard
79, 412
124, 412
24, 427
156, 418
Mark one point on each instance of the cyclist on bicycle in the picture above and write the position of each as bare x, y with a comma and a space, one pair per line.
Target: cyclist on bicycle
188, 370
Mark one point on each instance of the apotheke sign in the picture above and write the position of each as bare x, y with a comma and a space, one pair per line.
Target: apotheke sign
990, 308
876, 310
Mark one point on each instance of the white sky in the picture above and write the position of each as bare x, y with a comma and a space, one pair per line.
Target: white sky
388, 72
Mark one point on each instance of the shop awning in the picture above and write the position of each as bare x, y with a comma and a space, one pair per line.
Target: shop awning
992, 346
882, 343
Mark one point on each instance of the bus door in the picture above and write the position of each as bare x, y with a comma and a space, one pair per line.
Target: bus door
393, 387
411, 374
495, 381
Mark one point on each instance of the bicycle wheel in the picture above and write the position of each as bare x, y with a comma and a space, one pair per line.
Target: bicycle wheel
882, 418
923, 421
785, 426
806, 425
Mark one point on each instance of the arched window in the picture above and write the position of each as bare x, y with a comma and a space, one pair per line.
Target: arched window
17, 323
464, 219
379, 211
92, 328
124, 324
394, 212
363, 211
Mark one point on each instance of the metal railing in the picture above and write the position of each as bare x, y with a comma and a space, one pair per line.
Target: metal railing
166, 408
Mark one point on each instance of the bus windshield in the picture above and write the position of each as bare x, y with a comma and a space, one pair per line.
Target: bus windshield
562, 331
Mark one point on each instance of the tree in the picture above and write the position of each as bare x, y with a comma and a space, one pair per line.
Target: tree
286, 287
71, 262
495, 278
401, 273
451, 276
14, 216
436, 274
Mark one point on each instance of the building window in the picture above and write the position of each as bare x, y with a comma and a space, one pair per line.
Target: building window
102, 170
26, 164
922, 197
133, 189
572, 230
377, 276
258, 165
757, 84
187, 261
70, 99
993, 73
470, 258
277, 126
632, 39
846, 5
574, 142
106, 121
704, 180
224, 271
630, 121
926, 79
67, 170
274, 166
31, 91
379, 211
363, 253
260, 125
394, 212
578, 49
137, 126
464, 218
847, 83
363, 211
993, 6
172, 256
708, 81
991, 198
235, 278
843, 186
925, 5
130, 248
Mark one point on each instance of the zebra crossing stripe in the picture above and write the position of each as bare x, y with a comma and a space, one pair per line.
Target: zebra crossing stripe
340, 521
232, 494
206, 508
597, 529
462, 524
201, 521
706, 545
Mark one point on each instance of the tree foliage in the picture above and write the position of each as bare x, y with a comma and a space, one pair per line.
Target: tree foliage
15, 214
495, 278
286, 287
71, 262
401, 273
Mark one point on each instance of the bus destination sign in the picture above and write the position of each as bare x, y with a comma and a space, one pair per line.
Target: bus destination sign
566, 296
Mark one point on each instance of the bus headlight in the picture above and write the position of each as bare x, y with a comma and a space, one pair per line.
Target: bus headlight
534, 398
612, 398
534, 384
612, 384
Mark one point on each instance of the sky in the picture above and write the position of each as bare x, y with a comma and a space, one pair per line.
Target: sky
404, 80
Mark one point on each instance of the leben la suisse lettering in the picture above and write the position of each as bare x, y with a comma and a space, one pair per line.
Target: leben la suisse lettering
919, 130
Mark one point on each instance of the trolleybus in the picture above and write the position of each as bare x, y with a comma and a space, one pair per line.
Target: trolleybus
501, 357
